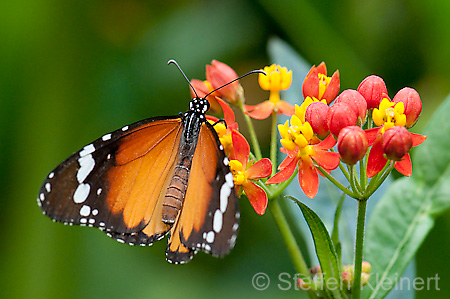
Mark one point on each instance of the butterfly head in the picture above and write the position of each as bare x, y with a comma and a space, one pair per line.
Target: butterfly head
199, 106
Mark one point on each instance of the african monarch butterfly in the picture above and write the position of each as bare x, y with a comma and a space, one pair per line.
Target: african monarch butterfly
158, 176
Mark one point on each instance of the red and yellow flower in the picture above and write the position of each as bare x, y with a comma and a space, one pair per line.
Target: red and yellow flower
301, 153
245, 171
318, 85
278, 78
388, 116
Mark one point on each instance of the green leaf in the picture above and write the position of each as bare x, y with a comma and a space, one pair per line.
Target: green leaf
407, 212
325, 250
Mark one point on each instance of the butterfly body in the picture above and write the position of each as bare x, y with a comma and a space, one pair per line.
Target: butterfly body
159, 176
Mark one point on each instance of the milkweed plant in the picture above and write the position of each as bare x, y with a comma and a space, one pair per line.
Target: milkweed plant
363, 134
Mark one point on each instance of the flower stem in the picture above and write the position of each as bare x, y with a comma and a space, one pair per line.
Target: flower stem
273, 143
335, 182
291, 245
362, 175
380, 181
252, 132
360, 224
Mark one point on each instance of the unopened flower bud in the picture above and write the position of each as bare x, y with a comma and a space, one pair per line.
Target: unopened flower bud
302, 284
315, 270
352, 144
316, 115
366, 267
355, 101
219, 74
413, 105
372, 89
397, 142
339, 116
365, 278
347, 279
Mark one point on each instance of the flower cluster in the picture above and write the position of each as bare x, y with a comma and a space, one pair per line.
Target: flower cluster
367, 126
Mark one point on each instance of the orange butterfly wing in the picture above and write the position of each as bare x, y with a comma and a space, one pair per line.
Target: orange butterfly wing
117, 183
209, 219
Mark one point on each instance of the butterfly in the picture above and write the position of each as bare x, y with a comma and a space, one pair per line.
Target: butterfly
159, 176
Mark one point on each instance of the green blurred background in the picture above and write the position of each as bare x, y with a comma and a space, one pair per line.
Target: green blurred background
72, 70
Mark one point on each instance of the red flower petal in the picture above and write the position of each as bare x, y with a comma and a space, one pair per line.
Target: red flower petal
308, 177
372, 134
326, 159
285, 108
261, 169
417, 139
322, 68
212, 118
333, 88
327, 143
260, 111
287, 160
283, 174
257, 197
376, 160
404, 166
228, 113
241, 148
310, 86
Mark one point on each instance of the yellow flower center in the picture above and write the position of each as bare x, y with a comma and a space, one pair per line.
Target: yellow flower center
238, 171
305, 152
324, 81
299, 133
222, 132
389, 114
277, 78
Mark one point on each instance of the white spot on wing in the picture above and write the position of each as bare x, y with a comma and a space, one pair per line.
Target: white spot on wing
88, 149
226, 161
229, 179
86, 165
51, 175
81, 193
217, 222
106, 137
125, 128
99, 191
210, 237
95, 212
224, 200
48, 187
85, 210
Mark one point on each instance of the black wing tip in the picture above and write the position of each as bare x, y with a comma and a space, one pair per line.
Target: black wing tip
179, 258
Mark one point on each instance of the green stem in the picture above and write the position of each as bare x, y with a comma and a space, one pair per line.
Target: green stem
339, 185
291, 245
252, 132
273, 143
362, 175
353, 180
360, 224
380, 181
344, 171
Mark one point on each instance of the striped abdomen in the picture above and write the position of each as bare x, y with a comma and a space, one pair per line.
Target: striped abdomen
174, 198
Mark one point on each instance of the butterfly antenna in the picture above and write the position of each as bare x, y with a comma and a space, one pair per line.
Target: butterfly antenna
185, 77
249, 73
